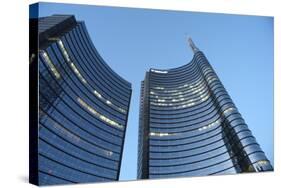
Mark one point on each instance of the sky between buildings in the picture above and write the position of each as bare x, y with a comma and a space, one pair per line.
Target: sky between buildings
131, 41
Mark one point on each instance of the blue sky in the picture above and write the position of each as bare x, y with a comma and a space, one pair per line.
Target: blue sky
131, 41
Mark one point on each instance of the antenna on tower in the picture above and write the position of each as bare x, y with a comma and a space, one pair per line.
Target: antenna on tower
192, 45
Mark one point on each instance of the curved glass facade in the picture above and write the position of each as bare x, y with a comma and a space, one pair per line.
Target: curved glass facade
189, 125
83, 107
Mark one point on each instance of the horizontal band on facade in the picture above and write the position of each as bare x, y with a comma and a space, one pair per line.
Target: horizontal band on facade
101, 60
74, 169
54, 49
69, 39
76, 157
84, 149
218, 163
64, 179
83, 110
74, 91
101, 65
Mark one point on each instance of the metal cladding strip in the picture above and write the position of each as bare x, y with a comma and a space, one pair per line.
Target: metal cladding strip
230, 115
82, 125
143, 170
189, 85
192, 125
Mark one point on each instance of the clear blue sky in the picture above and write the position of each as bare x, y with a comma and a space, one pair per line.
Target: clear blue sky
240, 49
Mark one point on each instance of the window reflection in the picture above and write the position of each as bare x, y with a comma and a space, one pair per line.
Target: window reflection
50, 64
262, 162
184, 104
210, 125
160, 134
75, 138
229, 110
79, 75
64, 52
100, 116
158, 71
211, 79
72, 65
109, 102
175, 92
65, 131
259, 166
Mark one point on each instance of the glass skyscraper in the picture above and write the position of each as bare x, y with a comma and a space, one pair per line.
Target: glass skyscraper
189, 126
78, 106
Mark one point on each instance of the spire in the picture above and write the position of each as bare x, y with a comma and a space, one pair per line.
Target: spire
192, 45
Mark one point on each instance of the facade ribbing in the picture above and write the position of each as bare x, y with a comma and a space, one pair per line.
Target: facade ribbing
189, 126
82, 106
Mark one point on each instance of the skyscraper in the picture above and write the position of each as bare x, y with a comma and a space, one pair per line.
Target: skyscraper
189, 126
78, 106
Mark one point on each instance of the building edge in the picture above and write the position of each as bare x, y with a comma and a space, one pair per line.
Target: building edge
33, 94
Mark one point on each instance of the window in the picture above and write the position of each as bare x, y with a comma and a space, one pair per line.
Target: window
210, 125
74, 68
75, 138
182, 104
262, 162
109, 102
108, 153
76, 71
65, 131
160, 134
64, 52
50, 64
228, 110
79, 75
158, 71
100, 116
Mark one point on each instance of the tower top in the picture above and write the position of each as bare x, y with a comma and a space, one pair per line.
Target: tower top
192, 45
